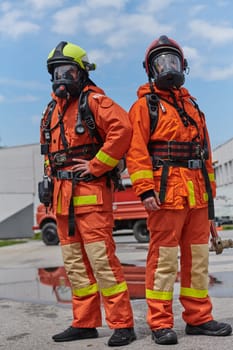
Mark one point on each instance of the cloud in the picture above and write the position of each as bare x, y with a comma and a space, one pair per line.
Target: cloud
195, 61
30, 84
104, 56
24, 98
222, 73
197, 9
69, 20
2, 98
112, 30
119, 4
97, 26
215, 34
13, 24
44, 4
113, 27
200, 66
191, 52
35, 119
19, 99
155, 6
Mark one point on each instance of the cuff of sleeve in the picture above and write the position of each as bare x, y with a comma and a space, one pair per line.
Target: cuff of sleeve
147, 194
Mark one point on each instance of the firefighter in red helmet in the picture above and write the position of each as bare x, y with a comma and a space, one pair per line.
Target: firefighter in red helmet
84, 135
170, 166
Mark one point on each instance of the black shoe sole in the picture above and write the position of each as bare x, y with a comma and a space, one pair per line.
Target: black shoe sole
127, 342
59, 340
71, 339
200, 331
165, 340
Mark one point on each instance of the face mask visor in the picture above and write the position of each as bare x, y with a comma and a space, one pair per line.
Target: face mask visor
67, 73
166, 63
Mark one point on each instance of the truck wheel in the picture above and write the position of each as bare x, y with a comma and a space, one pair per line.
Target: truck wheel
49, 233
141, 232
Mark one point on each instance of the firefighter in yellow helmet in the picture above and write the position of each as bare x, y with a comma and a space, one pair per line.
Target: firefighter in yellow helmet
170, 166
84, 135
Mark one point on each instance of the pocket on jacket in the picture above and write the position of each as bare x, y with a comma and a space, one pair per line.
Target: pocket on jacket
91, 197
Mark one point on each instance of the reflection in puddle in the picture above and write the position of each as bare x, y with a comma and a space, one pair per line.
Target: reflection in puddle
134, 275
57, 279
51, 285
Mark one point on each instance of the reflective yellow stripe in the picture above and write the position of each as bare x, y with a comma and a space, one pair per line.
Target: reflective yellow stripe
211, 177
82, 200
195, 293
142, 174
192, 200
118, 288
46, 162
158, 294
106, 159
92, 289
59, 203
205, 196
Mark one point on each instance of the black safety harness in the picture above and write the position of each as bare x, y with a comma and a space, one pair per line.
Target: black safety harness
63, 158
165, 154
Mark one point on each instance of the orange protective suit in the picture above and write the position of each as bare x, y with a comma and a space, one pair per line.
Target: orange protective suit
93, 269
182, 220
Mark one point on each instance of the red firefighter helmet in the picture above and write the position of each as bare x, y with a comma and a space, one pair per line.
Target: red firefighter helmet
165, 63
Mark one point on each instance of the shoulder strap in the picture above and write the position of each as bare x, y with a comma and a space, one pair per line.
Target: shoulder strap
85, 114
45, 126
152, 103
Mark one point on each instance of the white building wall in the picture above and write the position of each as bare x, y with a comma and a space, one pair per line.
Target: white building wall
223, 163
21, 169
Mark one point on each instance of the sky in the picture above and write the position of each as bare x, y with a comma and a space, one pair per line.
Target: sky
115, 35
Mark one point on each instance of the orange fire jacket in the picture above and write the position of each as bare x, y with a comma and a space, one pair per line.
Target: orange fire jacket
114, 127
181, 182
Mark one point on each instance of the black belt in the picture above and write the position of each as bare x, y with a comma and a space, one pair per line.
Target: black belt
73, 175
190, 164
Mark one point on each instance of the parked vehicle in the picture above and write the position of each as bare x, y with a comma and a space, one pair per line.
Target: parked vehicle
46, 223
129, 214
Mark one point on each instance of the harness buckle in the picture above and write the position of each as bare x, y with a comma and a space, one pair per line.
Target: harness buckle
156, 162
77, 177
60, 158
194, 164
64, 175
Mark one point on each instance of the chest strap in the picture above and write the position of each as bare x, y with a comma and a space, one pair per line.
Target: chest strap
174, 150
64, 158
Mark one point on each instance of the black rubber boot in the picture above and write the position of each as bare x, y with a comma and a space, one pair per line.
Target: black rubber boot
73, 333
164, 336
209, 328
122, 336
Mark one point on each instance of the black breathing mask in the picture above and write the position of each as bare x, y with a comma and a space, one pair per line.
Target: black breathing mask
167, 70
66, 81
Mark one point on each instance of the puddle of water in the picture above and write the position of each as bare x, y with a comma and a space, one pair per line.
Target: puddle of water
222, 287
51, 285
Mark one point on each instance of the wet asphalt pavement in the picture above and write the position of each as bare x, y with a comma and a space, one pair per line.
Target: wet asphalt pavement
31, 310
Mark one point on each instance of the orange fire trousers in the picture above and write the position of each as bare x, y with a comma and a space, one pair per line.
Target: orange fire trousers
94, 271
183, 232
